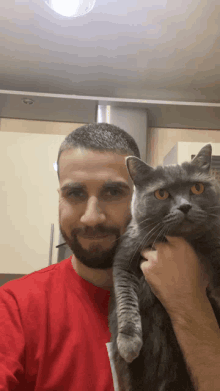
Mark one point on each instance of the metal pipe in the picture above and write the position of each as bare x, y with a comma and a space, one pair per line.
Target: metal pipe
51, 244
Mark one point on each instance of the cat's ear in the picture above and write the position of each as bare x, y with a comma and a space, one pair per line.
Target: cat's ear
203, 158
138, 170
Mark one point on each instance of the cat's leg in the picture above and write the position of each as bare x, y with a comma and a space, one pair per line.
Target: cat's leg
123, 381
129, 338
126, 288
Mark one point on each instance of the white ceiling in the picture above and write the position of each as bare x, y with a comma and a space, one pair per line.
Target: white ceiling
134, 49
161, 55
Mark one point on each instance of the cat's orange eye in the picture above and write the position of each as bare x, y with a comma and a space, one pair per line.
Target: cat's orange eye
161, 194
198, 188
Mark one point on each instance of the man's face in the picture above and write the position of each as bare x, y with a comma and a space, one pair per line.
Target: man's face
94, 204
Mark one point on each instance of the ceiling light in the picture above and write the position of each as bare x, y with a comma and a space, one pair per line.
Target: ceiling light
71, 8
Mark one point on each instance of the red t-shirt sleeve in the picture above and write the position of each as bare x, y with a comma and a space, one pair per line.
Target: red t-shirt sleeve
53, 333
12, 343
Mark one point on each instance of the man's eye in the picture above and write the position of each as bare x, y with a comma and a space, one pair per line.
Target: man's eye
113, 192
76, 194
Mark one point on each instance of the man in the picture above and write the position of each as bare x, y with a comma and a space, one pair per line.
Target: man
54, 322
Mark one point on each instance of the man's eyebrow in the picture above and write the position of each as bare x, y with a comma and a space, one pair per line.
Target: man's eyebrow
108, 184
73, 185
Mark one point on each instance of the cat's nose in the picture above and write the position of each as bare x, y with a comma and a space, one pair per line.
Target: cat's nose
185, 208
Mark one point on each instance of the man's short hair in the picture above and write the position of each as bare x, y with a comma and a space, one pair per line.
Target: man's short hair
100, 137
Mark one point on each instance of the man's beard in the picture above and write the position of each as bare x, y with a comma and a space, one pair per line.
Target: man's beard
94, 257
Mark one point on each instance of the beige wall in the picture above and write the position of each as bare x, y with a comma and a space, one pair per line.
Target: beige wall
161, 140
38, 127
28, 193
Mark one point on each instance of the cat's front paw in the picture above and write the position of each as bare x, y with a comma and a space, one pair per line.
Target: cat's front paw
129, 346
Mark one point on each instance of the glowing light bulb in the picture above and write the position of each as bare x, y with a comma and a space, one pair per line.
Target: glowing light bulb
71, 8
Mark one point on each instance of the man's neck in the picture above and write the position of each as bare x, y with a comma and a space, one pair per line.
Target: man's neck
101, 278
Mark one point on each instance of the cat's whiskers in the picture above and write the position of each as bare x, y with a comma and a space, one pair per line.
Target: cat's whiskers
167, 232
149, 218
149, 225
214, 209
154, 228
170, 220
160, 233
136, 249
138, 231
143, 240
152, 233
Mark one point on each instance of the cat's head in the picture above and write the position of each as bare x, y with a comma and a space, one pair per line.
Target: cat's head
175, 200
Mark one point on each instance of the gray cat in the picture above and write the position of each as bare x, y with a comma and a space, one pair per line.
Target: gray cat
178, 200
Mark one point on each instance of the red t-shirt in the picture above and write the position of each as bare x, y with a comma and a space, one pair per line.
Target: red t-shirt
53, 333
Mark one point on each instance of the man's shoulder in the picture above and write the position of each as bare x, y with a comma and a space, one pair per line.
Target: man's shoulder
38, 281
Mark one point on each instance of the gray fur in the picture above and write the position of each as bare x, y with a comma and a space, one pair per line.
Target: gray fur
146, 352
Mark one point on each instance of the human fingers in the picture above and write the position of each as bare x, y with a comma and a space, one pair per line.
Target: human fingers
150, 258
146, 253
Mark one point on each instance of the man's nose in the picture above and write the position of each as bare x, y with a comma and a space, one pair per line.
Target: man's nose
93, 215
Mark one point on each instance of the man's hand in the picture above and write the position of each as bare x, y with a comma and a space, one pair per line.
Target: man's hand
175, 275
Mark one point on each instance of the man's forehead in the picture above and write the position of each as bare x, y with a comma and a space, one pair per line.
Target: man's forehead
81, 154
87, 160
92, 168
